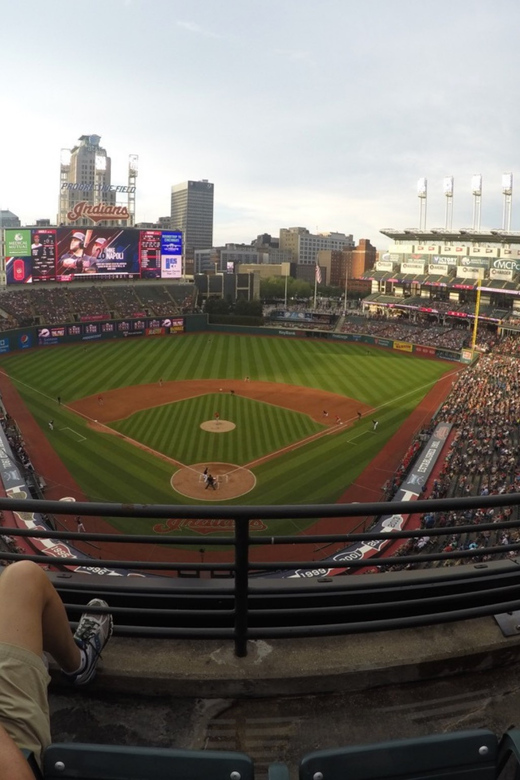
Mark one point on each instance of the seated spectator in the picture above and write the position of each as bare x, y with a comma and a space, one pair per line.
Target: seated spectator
33, 621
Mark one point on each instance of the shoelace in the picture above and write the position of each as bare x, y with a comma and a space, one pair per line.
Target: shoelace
87, 628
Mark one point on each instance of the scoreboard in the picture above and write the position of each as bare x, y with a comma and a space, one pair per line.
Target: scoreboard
64, 254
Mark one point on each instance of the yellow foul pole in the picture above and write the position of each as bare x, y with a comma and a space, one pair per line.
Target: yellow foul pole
475, 324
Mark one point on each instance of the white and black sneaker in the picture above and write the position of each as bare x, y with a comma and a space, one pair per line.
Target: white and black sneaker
92, 634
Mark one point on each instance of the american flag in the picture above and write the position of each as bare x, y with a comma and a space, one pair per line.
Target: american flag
317, 272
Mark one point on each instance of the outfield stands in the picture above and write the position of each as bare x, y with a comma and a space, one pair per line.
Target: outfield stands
50, 305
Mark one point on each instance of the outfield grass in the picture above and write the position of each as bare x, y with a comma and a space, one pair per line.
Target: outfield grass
110, 469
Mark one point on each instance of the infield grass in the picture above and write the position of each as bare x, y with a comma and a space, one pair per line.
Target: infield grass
109, 468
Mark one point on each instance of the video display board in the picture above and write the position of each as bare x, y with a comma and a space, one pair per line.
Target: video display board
65, 253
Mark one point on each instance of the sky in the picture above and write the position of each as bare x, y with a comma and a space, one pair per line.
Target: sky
315, 113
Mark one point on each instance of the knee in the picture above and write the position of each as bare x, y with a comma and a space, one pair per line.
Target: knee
22, 575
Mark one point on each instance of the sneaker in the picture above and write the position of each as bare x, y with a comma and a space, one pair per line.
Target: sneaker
93, 632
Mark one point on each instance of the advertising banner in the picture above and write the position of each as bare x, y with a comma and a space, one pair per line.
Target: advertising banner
410, 490
88, 331
468, 272
18, 242
412, 268
384, 265
506, 264
444, 260
501, 273
439, 270
403, 346
509, 253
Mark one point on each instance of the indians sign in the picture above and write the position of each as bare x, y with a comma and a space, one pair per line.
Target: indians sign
97, 212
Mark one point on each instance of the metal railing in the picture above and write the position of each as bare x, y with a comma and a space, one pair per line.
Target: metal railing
249, 604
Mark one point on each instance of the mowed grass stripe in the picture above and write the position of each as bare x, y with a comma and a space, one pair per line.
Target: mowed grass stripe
318, 472
260, 429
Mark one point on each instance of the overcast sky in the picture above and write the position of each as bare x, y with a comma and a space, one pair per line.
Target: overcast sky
319, 113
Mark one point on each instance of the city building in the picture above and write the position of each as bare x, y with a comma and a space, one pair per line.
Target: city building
224, 258
87, 195
8, 219
192, 213
304, 246
349, 263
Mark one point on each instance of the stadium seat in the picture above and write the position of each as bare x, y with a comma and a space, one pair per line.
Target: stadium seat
68, 761
466, 755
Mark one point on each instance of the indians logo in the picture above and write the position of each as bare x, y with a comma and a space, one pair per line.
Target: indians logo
97, 212
204, 526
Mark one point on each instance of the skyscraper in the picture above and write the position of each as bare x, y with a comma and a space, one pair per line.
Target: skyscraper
192, 212
85, 178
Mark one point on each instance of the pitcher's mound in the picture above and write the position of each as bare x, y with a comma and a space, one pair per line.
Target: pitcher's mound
231, 481
218, 426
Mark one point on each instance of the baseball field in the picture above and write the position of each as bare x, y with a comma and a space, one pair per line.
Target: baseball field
276, 421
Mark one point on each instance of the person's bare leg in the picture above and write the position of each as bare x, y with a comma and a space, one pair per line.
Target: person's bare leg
32, 615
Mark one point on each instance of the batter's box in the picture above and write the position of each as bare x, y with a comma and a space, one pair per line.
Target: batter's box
77, 436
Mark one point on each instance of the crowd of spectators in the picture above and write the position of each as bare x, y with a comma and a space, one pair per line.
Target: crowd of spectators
52, 305
483, 459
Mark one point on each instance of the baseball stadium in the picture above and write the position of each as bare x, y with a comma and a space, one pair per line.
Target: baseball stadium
230, 483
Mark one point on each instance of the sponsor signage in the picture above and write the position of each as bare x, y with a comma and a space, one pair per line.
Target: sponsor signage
93, 330
507, 264
475, 262
454, 249
444, 260
501, 273
410, 490
483, 251
90, 187
469, 272
439, 270
18, 242
427, 249
403, 346
384, 265
509, 253
412, 268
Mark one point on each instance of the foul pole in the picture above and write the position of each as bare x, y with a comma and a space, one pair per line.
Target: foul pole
475, 324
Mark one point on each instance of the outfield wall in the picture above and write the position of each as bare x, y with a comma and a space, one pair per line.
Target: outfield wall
100, 330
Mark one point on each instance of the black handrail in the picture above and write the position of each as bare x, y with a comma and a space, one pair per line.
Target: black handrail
315, 606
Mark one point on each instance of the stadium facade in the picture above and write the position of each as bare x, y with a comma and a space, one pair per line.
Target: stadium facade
440, 272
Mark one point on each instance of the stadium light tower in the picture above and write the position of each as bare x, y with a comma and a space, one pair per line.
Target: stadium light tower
422, 193
448, 192
507, 192
133, 169
65, 158
476, 189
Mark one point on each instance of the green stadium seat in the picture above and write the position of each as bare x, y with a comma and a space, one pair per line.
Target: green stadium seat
69, 761
466, 755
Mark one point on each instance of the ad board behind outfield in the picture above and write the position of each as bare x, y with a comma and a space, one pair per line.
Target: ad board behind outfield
66, 253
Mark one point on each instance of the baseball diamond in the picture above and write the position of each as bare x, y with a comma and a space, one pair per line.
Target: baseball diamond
147, 438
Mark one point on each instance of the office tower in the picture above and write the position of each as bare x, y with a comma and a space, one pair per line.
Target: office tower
192, 212
85, 178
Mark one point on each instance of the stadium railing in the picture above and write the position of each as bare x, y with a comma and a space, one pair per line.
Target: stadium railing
266, 599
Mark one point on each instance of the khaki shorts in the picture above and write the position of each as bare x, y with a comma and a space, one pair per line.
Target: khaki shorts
24, 708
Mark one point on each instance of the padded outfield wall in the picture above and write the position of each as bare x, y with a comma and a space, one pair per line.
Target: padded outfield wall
101, 330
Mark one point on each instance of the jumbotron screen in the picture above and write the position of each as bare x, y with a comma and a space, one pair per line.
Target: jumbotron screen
66, 253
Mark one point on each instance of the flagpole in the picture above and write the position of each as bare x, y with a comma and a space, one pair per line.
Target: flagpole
315, 287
